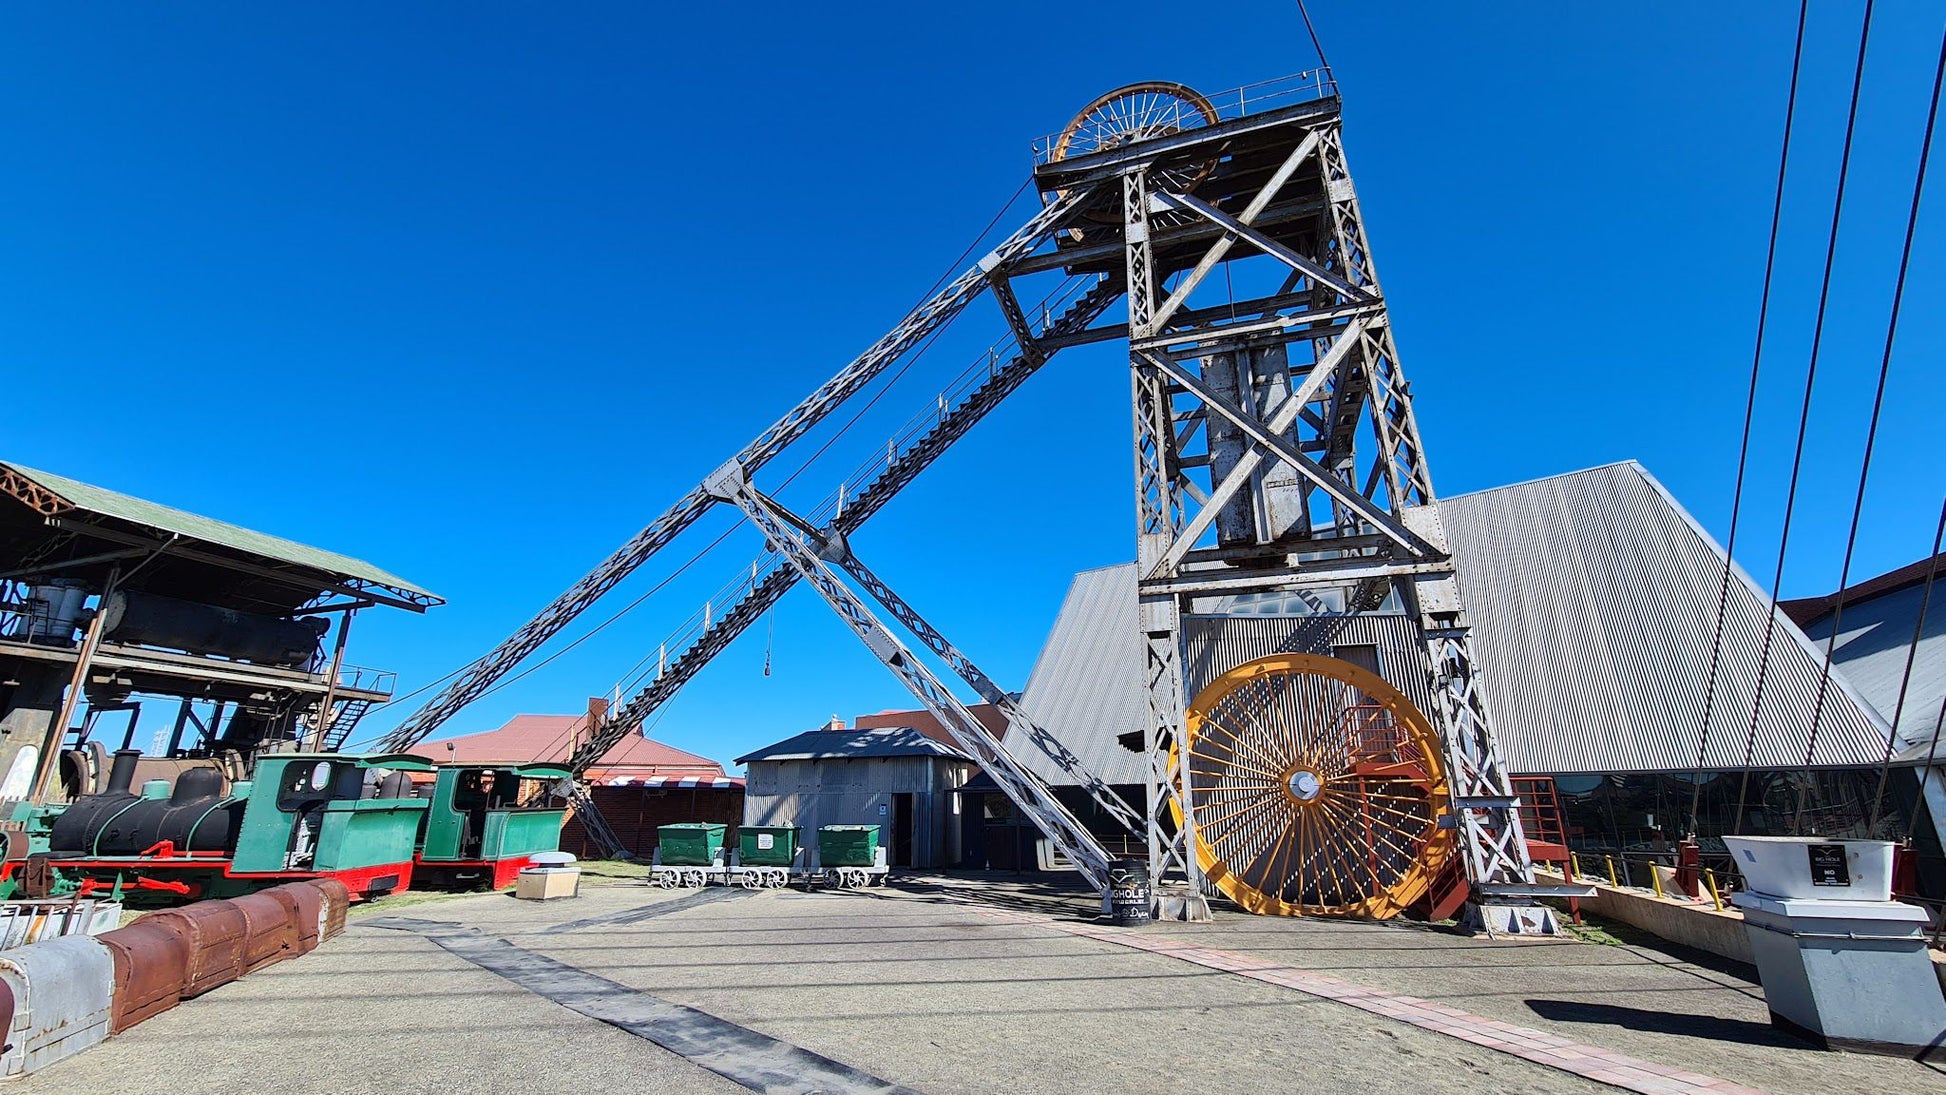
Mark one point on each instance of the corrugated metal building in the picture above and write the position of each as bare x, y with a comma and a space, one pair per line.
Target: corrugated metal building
896, 777
1879, 636
1594, 598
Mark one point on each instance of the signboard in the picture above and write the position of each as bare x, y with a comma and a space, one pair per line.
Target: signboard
881, 809
766, 841
1828, 866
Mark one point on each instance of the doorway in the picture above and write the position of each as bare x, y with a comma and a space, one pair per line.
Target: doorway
902, 829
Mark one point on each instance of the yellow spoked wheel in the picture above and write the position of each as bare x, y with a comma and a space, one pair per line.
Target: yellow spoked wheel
1139, 112
1317, 789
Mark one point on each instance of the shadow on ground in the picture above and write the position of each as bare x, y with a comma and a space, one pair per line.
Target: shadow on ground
1711, 1027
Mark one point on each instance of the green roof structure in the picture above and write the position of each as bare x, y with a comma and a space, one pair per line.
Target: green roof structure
85, 509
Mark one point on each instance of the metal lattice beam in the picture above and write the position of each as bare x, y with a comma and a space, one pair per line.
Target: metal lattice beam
793, 539
921, 322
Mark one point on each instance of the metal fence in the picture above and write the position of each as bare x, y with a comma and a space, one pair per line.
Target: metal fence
1302, 87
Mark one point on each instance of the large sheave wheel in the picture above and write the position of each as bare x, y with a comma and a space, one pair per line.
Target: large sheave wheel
1317, 789
1139, 112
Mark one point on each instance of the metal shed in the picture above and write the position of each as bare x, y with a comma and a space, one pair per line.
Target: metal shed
894, 777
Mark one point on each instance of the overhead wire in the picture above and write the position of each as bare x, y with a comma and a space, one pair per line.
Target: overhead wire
1905, 683
1804, 410
1871, 438
1749, 413
1316, 45
951, 271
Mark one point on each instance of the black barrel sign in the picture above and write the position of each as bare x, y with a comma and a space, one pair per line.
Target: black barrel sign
1128, 892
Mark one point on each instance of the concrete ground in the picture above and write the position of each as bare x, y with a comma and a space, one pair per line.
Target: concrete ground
920, 986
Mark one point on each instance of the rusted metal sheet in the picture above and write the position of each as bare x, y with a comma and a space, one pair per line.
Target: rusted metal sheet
152, 963
216, 932
306, 905
63, 991
337, 902
270, 934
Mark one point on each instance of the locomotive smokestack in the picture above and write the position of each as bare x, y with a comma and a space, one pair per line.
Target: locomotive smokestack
121, 774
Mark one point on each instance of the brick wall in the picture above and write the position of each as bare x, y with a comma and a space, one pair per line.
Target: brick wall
634, 813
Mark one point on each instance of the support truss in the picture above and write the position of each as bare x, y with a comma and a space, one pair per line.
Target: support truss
921, 322
1276, 450
810, 553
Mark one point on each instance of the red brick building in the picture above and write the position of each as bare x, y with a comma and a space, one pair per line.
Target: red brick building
640, 783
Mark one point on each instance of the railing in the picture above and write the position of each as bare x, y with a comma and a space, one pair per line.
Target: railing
1621, 872
1307, 86
983, 369
362, 679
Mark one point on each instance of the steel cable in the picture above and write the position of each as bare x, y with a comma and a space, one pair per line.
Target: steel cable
1905, 682
1749, 413
1804, 410
1871, 438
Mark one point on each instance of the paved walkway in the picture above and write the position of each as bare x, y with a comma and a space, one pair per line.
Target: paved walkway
1593, 1062
951, 986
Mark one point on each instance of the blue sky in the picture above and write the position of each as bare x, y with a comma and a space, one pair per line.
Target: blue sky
473, 291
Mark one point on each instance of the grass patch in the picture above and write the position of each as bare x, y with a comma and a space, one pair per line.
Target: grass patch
614, 868
396, 901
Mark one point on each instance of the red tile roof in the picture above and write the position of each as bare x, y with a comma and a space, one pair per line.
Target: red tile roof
551, 738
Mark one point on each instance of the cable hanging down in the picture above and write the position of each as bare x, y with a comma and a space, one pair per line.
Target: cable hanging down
1749, 415
1865, 462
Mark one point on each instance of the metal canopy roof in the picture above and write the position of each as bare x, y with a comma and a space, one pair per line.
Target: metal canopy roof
67, 506
1593, 596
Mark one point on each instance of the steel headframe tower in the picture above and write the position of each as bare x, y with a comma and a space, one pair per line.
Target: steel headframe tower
1250, 478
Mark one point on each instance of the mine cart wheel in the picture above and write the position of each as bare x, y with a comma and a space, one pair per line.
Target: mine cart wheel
665, 880
1139, 112
1317, 789
692, 878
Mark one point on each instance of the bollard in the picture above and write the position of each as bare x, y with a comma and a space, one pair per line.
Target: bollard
1613, 882
1716, 895
1655, 879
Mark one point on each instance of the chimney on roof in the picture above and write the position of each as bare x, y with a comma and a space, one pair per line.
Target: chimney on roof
837, 723
597, 714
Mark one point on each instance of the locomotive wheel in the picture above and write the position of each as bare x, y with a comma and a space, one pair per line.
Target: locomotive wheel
1317, 789
1138, 112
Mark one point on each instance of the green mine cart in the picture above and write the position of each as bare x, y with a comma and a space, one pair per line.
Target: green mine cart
847, 845
850, 855
686, 854
765, 856
689, 844
767, 845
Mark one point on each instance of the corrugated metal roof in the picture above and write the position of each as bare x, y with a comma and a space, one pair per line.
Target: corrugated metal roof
108, 503
891, 741
1086, 687
1874, 640
1594, 598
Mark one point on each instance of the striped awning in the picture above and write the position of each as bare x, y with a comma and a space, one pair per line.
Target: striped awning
720, 784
